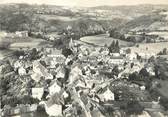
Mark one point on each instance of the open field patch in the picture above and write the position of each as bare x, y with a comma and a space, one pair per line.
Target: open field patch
103, 39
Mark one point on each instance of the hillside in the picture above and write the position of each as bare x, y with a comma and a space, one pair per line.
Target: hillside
132, 11
84, 21
153, 21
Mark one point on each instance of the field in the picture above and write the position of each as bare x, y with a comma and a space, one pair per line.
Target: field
161, 34
61, 18
147, 48
5, 53
17, 43
21, 42
103, 39
36, 43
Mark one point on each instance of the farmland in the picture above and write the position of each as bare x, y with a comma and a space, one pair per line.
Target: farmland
10, 44
163, 34
149, 48
5, 53
55, 17
31, 43
103, 39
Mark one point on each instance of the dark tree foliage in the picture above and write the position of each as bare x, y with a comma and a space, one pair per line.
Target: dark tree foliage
133, 107
163, 52
58, 43
114, 47
134, 76
128, 51
4, 86
13, 101
66, 52
132, 64
131, 39
164, 102
151, 59
19, 53
144, 73
34, 54
115, 71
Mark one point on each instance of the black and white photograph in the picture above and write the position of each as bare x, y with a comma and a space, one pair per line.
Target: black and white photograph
83, 58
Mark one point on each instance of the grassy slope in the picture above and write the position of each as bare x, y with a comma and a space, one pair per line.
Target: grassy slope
103, 39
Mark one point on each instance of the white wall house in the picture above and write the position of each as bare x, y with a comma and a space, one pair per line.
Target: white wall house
116, 60
37, 93
22, 33
108, 95
54, 88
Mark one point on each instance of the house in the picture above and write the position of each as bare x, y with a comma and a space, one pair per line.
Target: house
75, 73
36, 77
53, 36
21, 71
37, 93
136, 68
146, 55
60, 72
54, 88
3, 67
80, 56
142, 88
22, 33
150, 70
131, 56
41, 70
52, 109
68, 59
115, 54
80, 84
53, 61
107, 95
116, 60
17, 64
54, 56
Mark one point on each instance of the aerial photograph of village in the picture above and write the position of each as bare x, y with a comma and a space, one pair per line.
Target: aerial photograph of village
83, 58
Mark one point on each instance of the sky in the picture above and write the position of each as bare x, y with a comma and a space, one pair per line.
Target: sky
87, 3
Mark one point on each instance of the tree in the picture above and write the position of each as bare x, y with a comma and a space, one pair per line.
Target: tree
117, 44
66, 52
114, 47
164, 51
58, 43
133, 107
19, 53
128, 51
105, 45
134, 76
115, 71
132, 64
164, 102
151, 59
144, 73
34, 54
